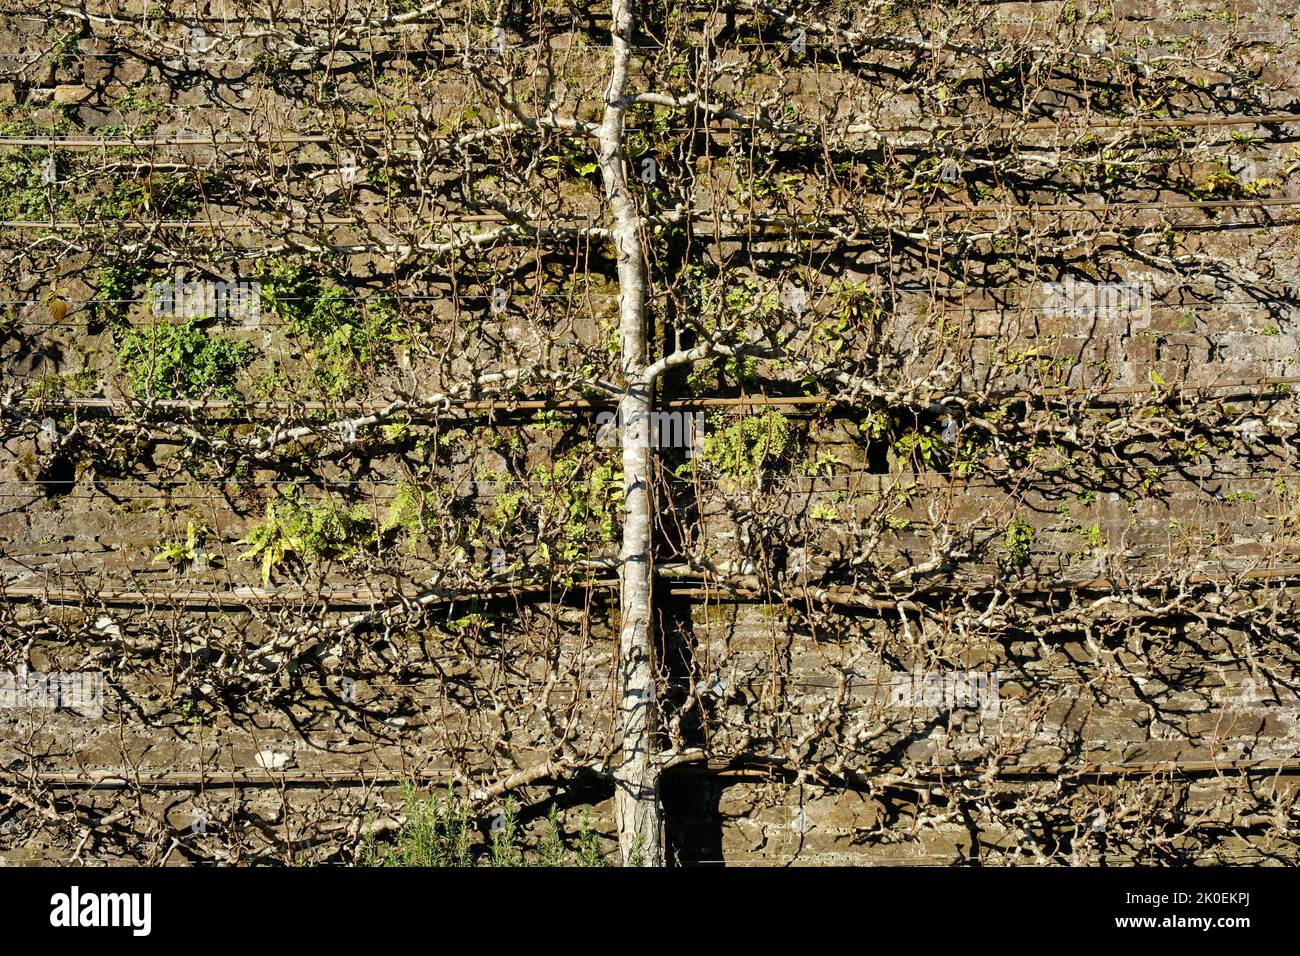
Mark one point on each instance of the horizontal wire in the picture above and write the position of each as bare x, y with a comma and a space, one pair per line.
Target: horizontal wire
898, 775
722, 591
936, 293
1070, 122
889, 218
768, 480
730, 217
378, 297
395, 21
769, 483
1005, 311
507, 404
1146, 42
771, 486
732, 678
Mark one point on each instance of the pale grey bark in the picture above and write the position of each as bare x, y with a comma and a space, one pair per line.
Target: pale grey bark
636, 777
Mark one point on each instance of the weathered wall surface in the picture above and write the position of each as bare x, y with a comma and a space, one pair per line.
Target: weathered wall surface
1094, 506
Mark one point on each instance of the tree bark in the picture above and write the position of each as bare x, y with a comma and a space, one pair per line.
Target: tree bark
636, 777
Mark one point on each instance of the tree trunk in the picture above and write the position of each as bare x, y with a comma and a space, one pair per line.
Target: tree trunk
636, 778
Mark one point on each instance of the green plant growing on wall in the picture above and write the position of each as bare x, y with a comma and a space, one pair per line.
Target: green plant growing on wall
183, 552
824, 466
24, 194
71, 385
165, 360
965, 455
192, 712
574, 503
141, 107
853, 317
115, 285
581, 500
737, 301
824, 512
570, 159
744, 450
407, 511
831, 337
438, 831
1220, 182
1017, 539
165, 195
299, 531
414, 511
920, 443
345, 339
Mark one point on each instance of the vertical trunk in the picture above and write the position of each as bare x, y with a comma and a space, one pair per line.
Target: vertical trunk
636, 779
636, 798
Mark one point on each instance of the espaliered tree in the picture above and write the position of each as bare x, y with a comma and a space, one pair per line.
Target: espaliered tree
636, 775
789, 202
